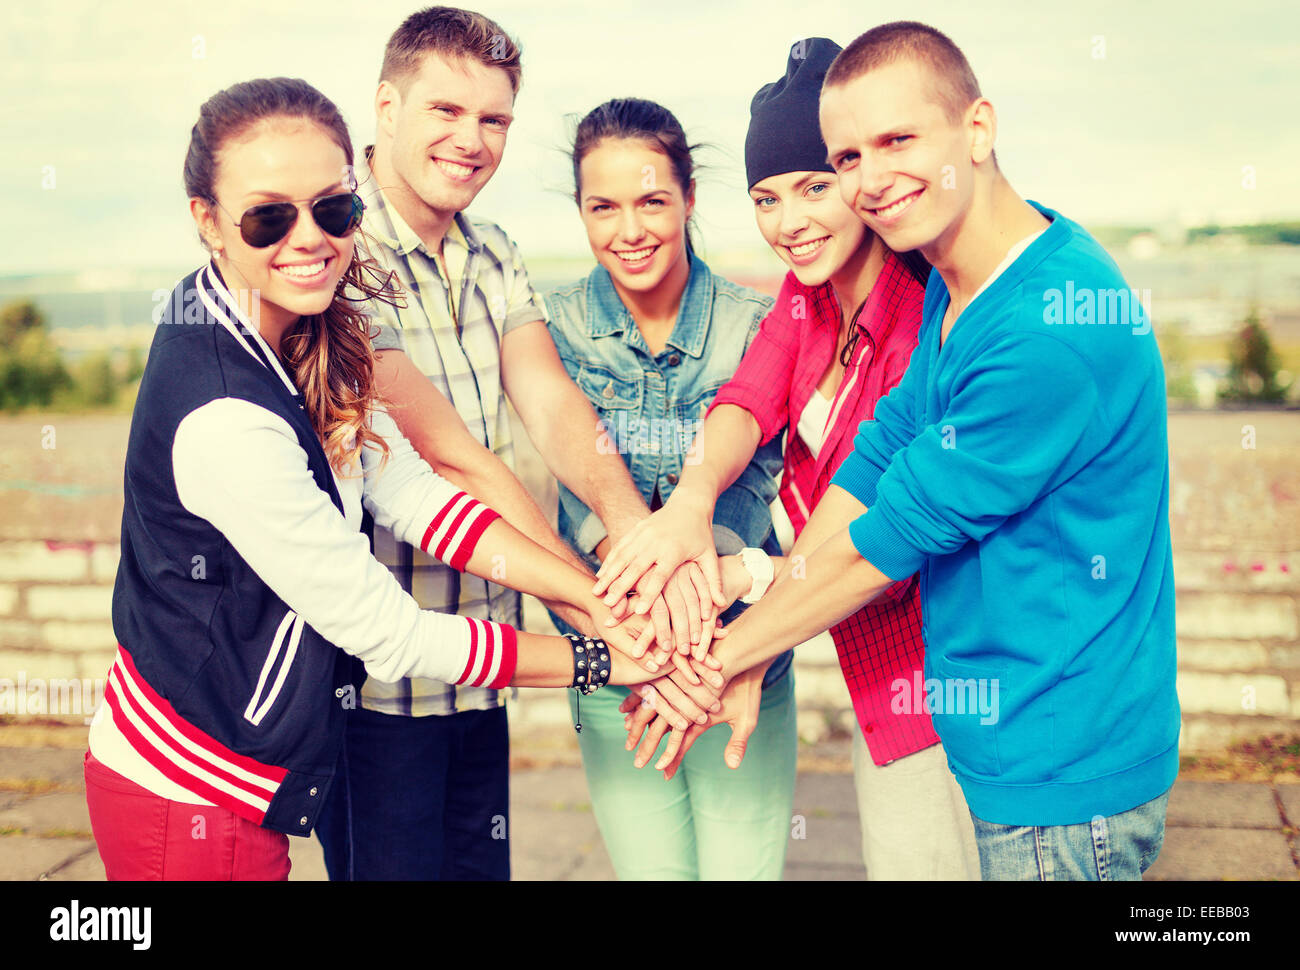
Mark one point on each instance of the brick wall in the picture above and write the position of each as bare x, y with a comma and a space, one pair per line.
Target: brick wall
55, 624
1236, 526
1238, 641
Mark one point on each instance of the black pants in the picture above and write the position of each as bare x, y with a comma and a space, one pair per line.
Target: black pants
420, 798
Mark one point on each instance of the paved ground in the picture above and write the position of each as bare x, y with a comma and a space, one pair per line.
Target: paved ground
1215, 830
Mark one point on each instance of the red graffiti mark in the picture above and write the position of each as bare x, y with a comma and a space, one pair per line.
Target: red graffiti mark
55, 545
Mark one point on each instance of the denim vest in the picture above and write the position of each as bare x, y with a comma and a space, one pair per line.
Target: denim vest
651, 406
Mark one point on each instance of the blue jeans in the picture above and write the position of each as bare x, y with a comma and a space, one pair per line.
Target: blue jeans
1109, 848
420, 798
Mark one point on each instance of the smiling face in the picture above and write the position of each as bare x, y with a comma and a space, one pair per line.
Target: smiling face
446, 134
278, 159
635, 213
806, 222
904, 167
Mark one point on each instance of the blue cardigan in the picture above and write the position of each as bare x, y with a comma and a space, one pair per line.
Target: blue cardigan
1023, 470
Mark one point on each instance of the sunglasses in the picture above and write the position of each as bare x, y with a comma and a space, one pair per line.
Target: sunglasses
265, 225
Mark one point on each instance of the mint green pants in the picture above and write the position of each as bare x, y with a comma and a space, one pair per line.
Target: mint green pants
710, 822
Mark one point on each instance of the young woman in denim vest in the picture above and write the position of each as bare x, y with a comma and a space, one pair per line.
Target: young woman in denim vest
839, 338
650, 336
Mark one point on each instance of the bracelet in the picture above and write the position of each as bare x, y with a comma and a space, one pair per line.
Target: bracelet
591, 663
761, 572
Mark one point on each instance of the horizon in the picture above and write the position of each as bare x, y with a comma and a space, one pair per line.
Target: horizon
1114, 116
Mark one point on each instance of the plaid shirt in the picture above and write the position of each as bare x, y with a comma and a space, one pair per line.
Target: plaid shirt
452, 333
881, 643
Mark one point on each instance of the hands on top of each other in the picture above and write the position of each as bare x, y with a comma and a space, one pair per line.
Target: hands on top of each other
652, 709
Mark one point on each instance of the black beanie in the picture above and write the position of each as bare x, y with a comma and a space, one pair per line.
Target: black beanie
784, 133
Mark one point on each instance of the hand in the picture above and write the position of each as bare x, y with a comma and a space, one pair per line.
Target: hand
683, 618
680, 700
736, 582
633, 636
649, 554
684, 615
740, 700
626, 671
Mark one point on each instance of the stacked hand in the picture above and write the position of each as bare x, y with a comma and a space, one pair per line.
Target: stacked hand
668, 564
651, 709
667, 555
739, 705
685, 694
664, 566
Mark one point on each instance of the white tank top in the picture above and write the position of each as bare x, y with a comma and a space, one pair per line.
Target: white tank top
812, 422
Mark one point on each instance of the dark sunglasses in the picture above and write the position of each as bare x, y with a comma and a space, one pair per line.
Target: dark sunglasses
265, 225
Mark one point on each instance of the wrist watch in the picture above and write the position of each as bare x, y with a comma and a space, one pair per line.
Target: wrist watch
759, 566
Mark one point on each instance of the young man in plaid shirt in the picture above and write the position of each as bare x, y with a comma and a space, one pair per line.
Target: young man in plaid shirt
422, 790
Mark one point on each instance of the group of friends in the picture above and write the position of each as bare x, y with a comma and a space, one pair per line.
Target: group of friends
324, 542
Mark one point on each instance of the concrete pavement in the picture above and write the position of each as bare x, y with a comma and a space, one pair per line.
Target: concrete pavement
1215, 830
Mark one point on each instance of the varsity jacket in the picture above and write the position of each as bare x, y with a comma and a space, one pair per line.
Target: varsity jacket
243, 571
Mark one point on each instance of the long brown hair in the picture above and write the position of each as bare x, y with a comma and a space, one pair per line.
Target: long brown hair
328, 354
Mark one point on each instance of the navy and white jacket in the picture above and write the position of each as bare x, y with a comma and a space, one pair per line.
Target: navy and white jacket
243, 569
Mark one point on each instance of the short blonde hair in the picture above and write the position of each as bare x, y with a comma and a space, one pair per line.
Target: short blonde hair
453, 33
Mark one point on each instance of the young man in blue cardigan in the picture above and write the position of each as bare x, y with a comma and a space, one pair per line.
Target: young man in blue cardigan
1021, 466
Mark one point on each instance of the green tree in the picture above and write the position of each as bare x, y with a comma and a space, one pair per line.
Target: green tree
96, 381
1253, 366
31, 371
1179, 386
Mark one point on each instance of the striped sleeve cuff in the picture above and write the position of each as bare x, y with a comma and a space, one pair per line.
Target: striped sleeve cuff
455, 530
493, 654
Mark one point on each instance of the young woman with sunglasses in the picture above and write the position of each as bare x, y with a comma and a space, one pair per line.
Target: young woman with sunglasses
839, 337
257, 438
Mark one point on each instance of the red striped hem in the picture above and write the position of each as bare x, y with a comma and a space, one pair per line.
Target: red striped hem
465, 550
509, 658
473, 650
430, 532
172, 771
449, 533
272, 774
175, 760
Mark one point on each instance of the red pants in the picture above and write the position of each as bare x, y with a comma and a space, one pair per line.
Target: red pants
141, 836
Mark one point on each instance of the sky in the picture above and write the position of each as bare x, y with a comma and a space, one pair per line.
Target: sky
1109, 112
